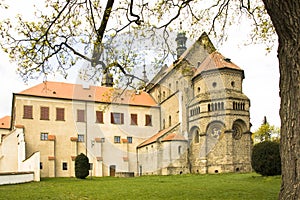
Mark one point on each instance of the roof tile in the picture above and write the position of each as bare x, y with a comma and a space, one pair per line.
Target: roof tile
157, 136
5, 122
174, 137
215, 61
93, 93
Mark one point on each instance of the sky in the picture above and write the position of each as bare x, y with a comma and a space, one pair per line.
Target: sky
261, 83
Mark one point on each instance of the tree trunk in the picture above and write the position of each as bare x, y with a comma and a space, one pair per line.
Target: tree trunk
285, 17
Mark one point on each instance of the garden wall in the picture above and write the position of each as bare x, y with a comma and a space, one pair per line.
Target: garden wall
16, 177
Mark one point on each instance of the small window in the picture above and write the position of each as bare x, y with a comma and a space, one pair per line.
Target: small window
80, 116
99, 117
214, 84
129, 140
133, 118
196, 137
44, 136
27, 112
199, 89
60, 114
117, 118
232, 83
117, 139
44, 113
170, 120
179, 150
41, 165
64, 166
80, 138
148, 119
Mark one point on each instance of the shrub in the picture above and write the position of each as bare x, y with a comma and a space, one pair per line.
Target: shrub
82, 166
265, 158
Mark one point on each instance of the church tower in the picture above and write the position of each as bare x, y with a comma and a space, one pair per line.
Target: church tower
107, 79
181, 43
219, 119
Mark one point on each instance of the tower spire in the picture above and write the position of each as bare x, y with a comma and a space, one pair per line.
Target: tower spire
107, 79
145, 76
181, 42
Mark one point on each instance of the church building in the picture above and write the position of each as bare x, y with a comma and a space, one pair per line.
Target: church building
192, 117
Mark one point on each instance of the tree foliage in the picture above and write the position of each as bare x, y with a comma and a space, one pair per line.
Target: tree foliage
266, 132
82, 166
66, 32
265, 158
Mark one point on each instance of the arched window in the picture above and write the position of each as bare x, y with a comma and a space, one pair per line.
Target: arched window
222, 105
219, 106
164, 123
196, 138
208, 107
170, 120
212, 107
179, 150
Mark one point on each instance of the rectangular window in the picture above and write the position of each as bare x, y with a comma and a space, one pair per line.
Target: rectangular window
80, 116
27, 112
64, 166
117, 118
148, 120
44, 136
44, 113
60, 114
133, 118
117, 139
129, 140
80, 138
99, 117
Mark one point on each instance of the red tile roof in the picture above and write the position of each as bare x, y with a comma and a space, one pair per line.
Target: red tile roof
215, 61
5, 122
155, 137
174, 137
93, 93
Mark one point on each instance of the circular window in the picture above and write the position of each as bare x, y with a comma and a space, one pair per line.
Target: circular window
232, 83
214, 84
236, 132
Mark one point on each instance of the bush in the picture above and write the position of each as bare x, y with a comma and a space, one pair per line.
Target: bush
265, 158
82, 166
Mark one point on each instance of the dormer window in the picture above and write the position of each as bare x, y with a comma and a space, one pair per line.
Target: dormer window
227, 60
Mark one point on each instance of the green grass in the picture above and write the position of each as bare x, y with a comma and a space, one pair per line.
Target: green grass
219, 186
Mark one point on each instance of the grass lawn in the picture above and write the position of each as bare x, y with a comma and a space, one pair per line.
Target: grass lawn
218, 186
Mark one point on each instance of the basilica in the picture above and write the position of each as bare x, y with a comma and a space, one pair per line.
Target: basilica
192, 117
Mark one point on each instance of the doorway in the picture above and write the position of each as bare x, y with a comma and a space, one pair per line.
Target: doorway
112, 170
